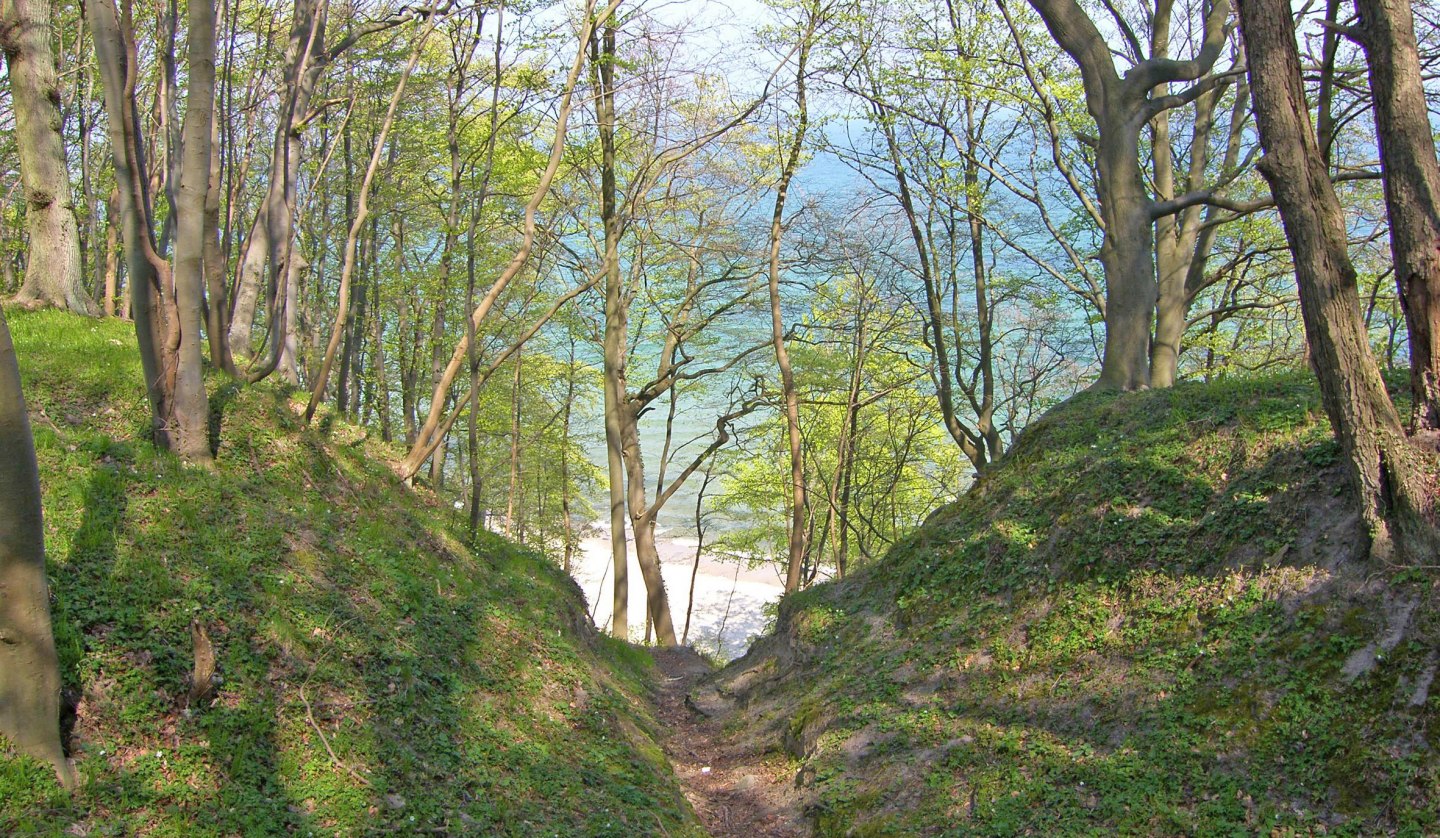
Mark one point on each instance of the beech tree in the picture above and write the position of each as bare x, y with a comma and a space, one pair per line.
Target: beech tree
166, 304
1386, 30
1392, 480
29, 668
52, 258
1122, 104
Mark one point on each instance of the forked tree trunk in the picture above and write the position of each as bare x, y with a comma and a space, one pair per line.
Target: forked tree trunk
1412, 189
52, 267
167, 318
1121, 106
29, 667
1390, 478
270, 234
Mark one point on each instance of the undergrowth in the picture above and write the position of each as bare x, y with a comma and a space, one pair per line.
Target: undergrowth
1152, 617
375, 672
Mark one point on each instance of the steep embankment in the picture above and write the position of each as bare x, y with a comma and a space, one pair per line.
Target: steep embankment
372, 672
1151, 618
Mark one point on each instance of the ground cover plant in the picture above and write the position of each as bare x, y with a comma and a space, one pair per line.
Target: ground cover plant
371, 671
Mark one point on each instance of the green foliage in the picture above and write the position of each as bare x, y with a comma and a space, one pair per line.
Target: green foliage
374, 672
1138, 623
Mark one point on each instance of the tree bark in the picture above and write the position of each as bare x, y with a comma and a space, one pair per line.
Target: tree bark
799, 508
165, 321
602, 73
29, 667
53, 276
1391, 480
1412, 189
192, 407
1121, 106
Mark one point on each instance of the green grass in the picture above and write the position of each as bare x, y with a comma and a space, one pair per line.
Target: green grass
458, 686
1136, 624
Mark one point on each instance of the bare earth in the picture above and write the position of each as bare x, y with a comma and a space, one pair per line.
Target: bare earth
733, 793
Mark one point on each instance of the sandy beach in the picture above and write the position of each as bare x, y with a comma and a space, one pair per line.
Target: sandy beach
730, 600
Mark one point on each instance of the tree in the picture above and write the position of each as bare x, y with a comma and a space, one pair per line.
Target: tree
799, 509
1392, 482
52, 267
166, 308
29, 668
1386, 30
1121, 106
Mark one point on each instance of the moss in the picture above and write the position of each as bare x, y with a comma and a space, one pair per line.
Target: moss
1135, 623
377, 673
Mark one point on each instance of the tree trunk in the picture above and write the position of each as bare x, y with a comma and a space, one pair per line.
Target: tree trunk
271, 233
1412, 189
112, 252
166, 318
191, 401
217, 266
642, 523
1389, 477
512, 501
799, 508
602, 72
288, 367
52, 268
1120, 106
29, 667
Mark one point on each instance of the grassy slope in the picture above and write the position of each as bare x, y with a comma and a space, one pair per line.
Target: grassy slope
1137, 624
458, 689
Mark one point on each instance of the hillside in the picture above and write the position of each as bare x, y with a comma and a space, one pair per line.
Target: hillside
373, 672
1150, 618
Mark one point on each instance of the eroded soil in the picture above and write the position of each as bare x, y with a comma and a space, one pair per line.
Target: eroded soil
735, 793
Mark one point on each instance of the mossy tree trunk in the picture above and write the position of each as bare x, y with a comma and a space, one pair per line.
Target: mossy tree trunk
52, 266
29, 668
1391, 479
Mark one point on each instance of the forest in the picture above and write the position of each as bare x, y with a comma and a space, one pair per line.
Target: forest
798, 279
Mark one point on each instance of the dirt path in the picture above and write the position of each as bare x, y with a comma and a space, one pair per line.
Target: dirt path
735, 794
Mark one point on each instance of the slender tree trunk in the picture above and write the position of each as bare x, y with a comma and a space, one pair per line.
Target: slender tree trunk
565, 489
191, 401
799, 508
602, 73
217, 265
347, 265
29, 667
166, 318
642, 524
53, 276
1391, 480
112, 252
1412, 189
288, 367
511, 506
